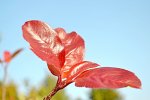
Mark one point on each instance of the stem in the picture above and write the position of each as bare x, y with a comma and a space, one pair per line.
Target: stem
54, 91
4, 81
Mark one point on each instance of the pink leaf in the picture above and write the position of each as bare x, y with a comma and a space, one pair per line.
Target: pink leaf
44, 42
61, 33
107, 77
79, 68
54, 70
74, 50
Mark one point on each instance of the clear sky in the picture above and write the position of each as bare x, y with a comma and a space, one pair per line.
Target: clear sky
116, 33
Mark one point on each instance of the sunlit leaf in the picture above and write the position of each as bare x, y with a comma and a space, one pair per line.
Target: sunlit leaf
44, 42
61, 33
108, 77
79, 68
74, 50
54, 70
74, 47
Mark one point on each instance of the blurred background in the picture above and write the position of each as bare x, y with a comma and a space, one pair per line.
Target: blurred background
116, 33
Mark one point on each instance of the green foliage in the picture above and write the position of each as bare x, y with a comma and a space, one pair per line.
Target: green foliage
33, 93
44, 89
11, 91
104, 94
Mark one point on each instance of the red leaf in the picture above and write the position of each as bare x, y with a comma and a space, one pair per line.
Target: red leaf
108, 77
44, 42
54, 70
74, 50
61, 33
7, 56
79, 68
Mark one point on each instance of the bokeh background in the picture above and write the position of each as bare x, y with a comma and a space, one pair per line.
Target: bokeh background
116, 33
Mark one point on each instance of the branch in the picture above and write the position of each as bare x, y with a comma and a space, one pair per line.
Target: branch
54, 91
4, 81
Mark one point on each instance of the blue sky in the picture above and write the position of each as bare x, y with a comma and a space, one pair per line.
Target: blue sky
116, 33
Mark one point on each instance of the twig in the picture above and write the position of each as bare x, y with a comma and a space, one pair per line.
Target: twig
4, 81
54, 91
51, 94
